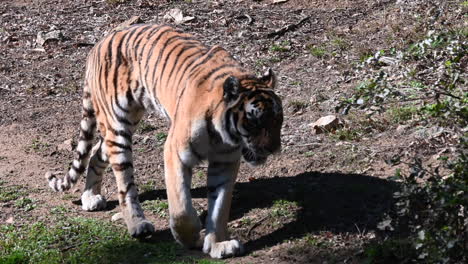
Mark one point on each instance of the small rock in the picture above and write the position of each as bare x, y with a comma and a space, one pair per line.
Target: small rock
10, 220
133, 20
116, 217
326, 124
67, 145
42, 37
176, 15
401, 129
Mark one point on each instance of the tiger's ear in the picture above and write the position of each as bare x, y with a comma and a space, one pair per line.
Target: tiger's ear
269, 78
231, 89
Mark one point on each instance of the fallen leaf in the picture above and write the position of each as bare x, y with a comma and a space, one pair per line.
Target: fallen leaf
176, 15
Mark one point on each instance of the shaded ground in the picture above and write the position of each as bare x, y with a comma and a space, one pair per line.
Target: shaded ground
320, 199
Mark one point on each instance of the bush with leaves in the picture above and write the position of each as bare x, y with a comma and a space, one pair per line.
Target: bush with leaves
430, 224
435, 211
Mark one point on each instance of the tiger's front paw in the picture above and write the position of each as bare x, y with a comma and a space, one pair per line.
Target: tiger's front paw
92, 202
224, 249
142, 229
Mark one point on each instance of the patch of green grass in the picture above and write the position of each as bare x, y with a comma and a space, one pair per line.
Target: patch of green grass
59, 210
403, 113
309, 154
347, 134
297, 105
81, 240
25, 203
283, 208
68, 196
246, 221
10, 193
145, 126
317, 51
161, 136
416, 84
389, 251
200, 174
340, 43
38, 145
318, 241
274, 59
157, 207
148, 186
281, 47
296, 83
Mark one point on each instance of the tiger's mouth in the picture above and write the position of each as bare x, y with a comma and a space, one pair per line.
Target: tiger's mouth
253, 158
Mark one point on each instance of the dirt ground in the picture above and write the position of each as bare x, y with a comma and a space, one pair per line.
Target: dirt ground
337, 191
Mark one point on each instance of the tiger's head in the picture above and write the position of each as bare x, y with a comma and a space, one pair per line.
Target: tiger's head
255, 116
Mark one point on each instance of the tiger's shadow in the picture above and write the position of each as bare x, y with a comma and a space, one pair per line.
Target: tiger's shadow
339, 203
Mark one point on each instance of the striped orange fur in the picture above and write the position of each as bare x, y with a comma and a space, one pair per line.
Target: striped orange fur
218, 112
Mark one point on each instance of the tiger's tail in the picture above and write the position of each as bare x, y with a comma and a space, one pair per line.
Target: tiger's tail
83, 149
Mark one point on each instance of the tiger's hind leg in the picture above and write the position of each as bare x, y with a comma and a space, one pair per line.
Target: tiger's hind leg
91, 199
119, 149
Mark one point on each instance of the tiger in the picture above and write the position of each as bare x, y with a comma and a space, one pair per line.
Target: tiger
218, 111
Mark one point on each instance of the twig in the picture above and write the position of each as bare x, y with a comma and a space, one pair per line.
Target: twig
282, 31
255, 225
309, 144
448, 94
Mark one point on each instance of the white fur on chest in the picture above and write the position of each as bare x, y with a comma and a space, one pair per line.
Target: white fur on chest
202, 147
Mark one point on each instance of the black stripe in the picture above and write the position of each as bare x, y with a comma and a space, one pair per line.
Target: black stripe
222, 75
86, 134
88, 113
161, 52
123, 120
214, 70
229, 119
140, 96
195, 153
168, 56
150, 54
129, 93
95, 172
176, 61
118, 63
112, 143
212, 189
99, 157
79, 170
129, 185
121, 133
211, 53
126, 39
82, 155
108, 63
153, 31
215, 137
122, 166
140, 37
188, 65
118, 152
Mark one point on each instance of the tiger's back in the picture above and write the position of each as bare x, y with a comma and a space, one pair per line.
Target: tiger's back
155, 65
218, 112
